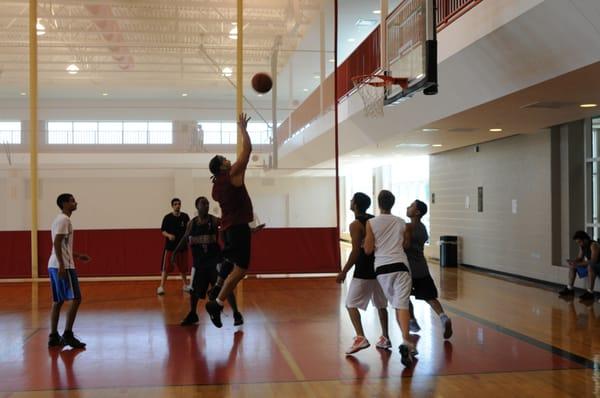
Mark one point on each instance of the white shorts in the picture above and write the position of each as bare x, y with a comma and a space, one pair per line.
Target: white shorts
362, 291
397, 287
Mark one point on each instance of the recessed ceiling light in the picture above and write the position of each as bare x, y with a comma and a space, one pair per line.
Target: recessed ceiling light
305, 90
104, 94
73, 69
427, 130
23, 93
317, 76
365, 22
588, 105
351, 40
437, 145
332, 60
496, 130
184, 94
259, 95
376, 11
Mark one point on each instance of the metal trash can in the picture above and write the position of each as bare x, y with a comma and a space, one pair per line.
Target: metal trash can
448, 251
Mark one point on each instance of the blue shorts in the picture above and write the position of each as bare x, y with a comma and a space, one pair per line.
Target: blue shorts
64, 289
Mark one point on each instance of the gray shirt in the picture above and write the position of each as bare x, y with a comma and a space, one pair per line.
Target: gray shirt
416, 258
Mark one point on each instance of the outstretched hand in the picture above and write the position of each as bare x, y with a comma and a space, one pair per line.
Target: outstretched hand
243, 120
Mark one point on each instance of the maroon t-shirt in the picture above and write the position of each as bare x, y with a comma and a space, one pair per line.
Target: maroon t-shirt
236, 206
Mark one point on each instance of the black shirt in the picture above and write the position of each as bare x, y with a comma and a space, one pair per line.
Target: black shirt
174, 225
364, 267
203, 240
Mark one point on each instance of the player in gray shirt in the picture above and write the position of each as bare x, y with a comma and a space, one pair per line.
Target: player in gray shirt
423, 285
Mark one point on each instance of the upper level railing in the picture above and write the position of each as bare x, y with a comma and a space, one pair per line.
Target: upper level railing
365, 59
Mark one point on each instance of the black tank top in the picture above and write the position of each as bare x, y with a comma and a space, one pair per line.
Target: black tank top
587, 250
364, 267
203, 240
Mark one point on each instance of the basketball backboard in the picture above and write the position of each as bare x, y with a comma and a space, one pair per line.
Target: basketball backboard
412, 48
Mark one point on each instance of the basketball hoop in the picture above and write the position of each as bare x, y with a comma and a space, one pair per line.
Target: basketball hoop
372, 89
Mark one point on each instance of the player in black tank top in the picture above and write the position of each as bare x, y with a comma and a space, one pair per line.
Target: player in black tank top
202, 235
587, 263
363, 287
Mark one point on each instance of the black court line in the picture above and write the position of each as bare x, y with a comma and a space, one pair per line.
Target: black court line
578, 359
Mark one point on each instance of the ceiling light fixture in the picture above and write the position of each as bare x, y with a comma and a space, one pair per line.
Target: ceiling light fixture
496, 130
588, 105
184, 94
376, 11
41, 29
437, 145
429, 130
73, 69
23, 93
227, 72
105, 94
351, 40
332, 60
305, 90
365, 22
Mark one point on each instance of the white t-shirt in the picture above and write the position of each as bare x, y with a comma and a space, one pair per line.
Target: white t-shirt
62, 226
388, 231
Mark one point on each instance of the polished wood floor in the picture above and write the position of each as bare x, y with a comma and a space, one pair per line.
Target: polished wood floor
511, 340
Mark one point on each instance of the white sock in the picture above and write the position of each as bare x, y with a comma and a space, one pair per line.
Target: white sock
570, 287
219, 302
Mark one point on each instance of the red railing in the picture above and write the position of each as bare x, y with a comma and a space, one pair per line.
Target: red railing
365, 59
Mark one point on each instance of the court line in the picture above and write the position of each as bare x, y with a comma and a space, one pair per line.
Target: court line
578, 359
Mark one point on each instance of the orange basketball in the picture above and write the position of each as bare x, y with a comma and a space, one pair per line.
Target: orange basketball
262, 82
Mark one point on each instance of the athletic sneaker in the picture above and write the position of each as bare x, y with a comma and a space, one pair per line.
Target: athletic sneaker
213, 293
587, 296
54, 340
70, 339
447, 328
238, 319
190, 319
384, 343
406, 355
160, 291
359, 343
413, 326
214, 311
187, 288
566, 292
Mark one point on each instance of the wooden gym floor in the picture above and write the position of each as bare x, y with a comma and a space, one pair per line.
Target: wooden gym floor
510, 339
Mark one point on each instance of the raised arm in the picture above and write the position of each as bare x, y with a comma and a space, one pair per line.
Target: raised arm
357, 234
369, 244
238, 169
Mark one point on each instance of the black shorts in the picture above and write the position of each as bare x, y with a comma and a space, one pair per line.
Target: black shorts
205, 275
237, 240
424, 288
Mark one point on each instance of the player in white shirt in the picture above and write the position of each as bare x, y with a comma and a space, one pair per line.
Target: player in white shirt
385, 237
63, 277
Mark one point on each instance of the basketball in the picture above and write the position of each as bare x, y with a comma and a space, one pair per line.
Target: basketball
262, 83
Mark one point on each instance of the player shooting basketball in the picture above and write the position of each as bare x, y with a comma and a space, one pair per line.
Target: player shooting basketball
236, 210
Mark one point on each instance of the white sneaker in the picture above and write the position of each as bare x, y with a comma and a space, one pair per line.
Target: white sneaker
413, 326
187, 288
384, 343
160, 291
359, 343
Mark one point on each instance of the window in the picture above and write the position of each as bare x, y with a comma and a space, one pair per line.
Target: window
225, 133
109, 132
593, 179
10, 132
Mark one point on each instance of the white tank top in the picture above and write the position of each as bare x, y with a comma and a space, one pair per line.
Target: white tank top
389, 235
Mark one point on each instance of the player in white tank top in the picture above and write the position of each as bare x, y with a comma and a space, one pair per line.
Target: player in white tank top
385, 238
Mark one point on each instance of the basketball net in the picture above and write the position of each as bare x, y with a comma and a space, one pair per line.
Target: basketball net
372, 89
6, 147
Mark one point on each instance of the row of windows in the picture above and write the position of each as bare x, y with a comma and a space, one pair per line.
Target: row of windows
128, 132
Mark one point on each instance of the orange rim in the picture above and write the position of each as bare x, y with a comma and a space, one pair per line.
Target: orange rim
384, 80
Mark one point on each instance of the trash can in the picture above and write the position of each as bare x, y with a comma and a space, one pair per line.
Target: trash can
448, 251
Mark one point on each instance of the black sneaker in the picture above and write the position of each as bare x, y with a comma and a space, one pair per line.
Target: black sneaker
190, 319
214, 311
70, 340
407, 356
238, 319
213, 293
587, 296
566, 292
54, 340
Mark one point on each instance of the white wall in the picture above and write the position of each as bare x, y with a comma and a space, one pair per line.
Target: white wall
516, 168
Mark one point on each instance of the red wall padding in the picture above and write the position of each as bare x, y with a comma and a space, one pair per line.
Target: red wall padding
137, 252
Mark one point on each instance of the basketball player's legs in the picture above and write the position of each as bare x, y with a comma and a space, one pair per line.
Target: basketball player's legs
165, 265
54, 317
236, 275
181, 264
425, 289
380, 302
359, 294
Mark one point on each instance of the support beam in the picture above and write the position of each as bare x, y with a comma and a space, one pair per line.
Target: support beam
33, 134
